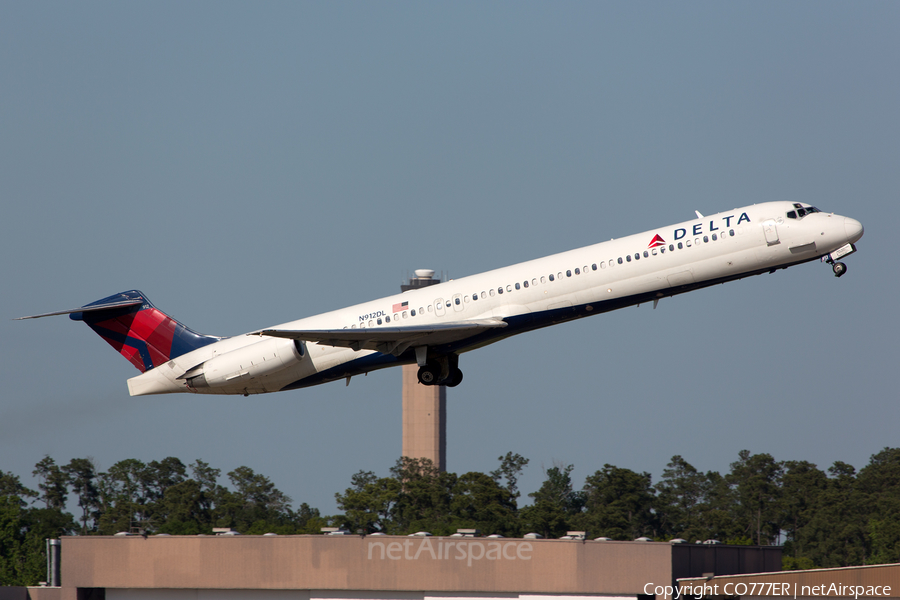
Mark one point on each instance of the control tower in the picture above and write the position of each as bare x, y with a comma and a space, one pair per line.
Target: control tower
424, 406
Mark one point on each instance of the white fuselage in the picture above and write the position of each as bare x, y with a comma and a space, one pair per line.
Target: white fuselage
621, 272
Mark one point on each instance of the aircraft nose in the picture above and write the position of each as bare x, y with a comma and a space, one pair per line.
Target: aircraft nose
853, 229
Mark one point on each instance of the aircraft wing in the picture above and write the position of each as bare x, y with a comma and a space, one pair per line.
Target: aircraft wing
389, 340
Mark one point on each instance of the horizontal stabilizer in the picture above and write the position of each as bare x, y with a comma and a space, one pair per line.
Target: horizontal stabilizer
90, 308
388, 340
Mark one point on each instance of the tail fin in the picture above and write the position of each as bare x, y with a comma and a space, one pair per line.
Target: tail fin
139, 331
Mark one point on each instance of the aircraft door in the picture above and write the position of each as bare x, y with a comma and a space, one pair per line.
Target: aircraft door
439, 307
458, 302
771, 233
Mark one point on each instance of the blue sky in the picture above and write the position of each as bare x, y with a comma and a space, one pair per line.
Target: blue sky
247, 164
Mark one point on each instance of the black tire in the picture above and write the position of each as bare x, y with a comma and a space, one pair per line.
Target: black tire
839, 269
428, 375
455, 378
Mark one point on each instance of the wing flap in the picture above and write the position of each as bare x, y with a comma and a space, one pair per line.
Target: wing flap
388, 340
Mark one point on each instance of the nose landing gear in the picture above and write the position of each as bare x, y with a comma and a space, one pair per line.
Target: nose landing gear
839, 268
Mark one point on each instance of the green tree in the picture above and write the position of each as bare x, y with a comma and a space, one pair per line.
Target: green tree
682, 501
556, 504
878, 485
123, 498
836, 533
618, 504
369, 504
424, 503
802, 486
82, 475
756, 480
11, 486
53, 483
511, 467
479, 502
23, 531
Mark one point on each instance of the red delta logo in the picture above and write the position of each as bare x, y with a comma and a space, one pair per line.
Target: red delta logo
657, 241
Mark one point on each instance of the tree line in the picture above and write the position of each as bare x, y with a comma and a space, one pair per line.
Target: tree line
838, 517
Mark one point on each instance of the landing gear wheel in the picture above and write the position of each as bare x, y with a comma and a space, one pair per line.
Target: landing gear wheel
839, 269
428, 375
454, 379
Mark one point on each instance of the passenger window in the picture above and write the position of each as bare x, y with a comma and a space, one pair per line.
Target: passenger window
731, 232
517, 286
680, 247
705, 239
544, 280
568, 273
429, 308
620, 260
637, 256
584, 270
534, 281
646, 254
412, 312
474, 296
404, 314
371, 323
525, 283
627, 257
653, 252
559, 275
499, 290
714, 237
448, 304
456, 301
696, 241
387, 319
492, 292
672, 247
379, 321
353, 326
482, 295
421, 310
594, 266
509, 288
551, 276
578, 271
466, 298
602, 265
687, 243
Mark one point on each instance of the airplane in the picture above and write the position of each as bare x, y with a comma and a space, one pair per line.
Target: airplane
433, 323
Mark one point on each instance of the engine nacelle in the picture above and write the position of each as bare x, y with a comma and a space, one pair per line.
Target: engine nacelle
250, 362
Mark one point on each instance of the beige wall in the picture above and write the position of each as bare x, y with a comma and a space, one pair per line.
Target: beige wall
386, 563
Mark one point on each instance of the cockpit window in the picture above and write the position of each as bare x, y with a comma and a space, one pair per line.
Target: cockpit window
802, 211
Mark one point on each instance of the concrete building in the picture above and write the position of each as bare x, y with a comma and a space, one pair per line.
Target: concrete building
354, 567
